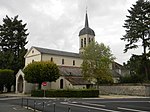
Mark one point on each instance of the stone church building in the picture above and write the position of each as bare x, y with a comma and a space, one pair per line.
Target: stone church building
68, 62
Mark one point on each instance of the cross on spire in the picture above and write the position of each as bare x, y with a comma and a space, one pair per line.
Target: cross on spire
86, 18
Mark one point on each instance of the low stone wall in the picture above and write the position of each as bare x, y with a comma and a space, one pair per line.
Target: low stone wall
135, 90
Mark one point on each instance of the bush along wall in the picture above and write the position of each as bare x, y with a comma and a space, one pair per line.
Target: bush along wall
65, 93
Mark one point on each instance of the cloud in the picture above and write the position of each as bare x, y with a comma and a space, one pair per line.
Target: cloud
55, 24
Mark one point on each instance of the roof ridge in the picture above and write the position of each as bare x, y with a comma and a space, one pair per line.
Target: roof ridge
53, 49
57, 52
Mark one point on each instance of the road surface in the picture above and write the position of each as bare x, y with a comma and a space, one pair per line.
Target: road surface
77, 104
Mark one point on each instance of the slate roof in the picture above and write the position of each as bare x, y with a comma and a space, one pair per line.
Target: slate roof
86, 29
77, 80
57, 52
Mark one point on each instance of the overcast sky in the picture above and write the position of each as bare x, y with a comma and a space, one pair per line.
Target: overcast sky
55, 24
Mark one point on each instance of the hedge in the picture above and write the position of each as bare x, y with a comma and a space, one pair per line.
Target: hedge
66, 93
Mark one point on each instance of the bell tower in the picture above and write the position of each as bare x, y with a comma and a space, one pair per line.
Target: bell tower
86, 35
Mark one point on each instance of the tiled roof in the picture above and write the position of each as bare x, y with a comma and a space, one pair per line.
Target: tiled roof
74, 80
57, 52
73, 75
76, 71
70, 71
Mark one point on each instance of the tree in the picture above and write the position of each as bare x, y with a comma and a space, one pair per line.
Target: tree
13, 35
138, 29
38, 72
136, 67
96, 60
12, 43
6, 79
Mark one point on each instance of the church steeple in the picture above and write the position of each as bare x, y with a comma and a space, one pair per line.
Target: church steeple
86, 21
86, 35
86, 29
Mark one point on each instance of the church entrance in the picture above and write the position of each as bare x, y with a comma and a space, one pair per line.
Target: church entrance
20, 84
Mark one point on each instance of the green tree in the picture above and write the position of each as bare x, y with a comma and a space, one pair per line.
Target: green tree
136, 67
96, 60
13, 35
6, 79
138, 29
38, 72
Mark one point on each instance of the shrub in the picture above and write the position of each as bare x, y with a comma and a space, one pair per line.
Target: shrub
66, 93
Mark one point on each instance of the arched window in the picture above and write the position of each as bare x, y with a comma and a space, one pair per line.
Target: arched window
62, 61
61, 84
81, 43
51, 59
32, 60
73, 62
84, 42
89, 40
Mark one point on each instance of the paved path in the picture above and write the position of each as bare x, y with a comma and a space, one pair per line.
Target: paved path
5, 107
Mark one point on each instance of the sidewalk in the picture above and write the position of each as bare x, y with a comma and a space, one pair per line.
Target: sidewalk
5, 107
14, 95
120, 96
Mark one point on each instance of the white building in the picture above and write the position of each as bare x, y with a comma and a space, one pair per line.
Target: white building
69, 64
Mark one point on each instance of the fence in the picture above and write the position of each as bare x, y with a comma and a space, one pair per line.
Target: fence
35, 105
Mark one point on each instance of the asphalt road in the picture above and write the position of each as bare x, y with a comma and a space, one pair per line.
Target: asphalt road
76, 104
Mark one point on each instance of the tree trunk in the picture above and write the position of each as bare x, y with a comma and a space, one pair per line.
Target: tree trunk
39, 86
145, 59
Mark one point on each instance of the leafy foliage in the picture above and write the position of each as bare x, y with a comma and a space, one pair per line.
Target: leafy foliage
38, 72
136, 67
96, 60
138, 25
131, 79
12, 43
66, 93
6, 79
138, 30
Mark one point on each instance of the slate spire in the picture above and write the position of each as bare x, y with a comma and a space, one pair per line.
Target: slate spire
86, 29
86, 21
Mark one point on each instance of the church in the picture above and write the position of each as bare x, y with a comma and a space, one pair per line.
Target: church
69, 64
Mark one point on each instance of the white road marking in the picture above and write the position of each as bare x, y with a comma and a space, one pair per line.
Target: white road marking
33, 109
124, 101
39, 103
48, 104
74, 102
64, 102
131, 109
14, 108
92, 98
83, 106
94, 104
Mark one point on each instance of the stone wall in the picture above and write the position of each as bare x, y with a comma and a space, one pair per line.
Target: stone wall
135, 90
